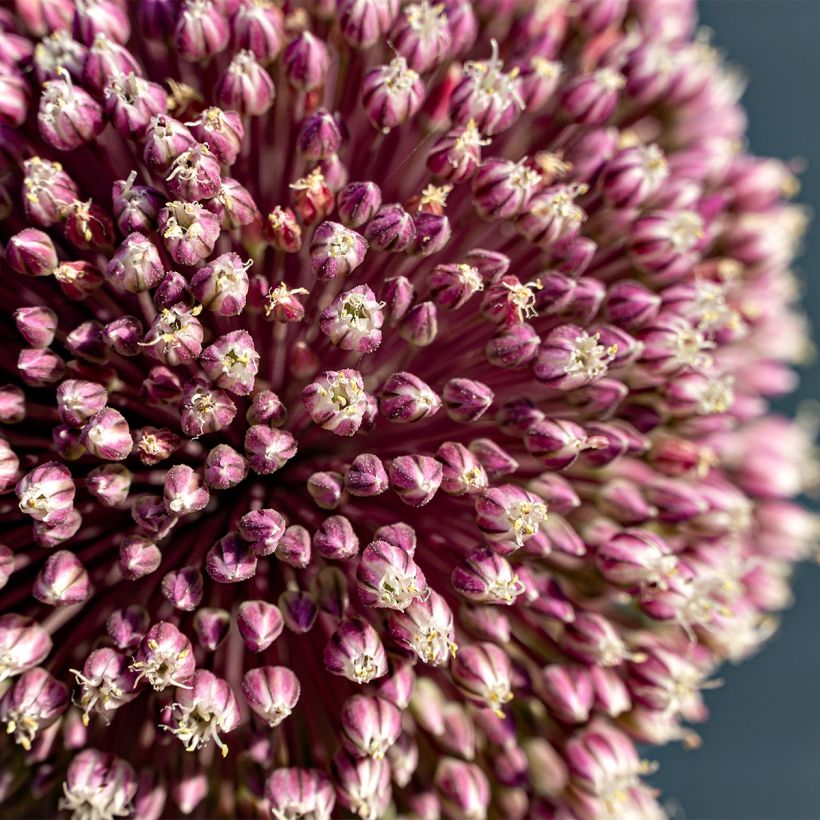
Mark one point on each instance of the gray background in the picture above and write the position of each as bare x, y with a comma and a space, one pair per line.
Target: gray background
761, 747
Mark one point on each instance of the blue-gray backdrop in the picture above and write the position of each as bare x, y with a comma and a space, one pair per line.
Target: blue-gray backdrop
761, 747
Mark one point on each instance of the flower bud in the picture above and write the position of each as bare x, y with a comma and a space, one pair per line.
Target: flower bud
415, 479
355, 651
463, 788
294, 547
106, 435
300, 791
37, 325
230, 560
268, 449
336, 401
272, 692
306, 62
466, 401
165, 139
68, 116
363, 784
189, 231
211, 627
63, 580
370, 726
508, 516
366, 476
392, 94
462, 471
201, 30
224, 468
138, 556
123, 335
456, 156
259, 623
109, 484
12, 404
358, 203
31, 253
204, 409
426, 626
131, 102
485, 577
183, 588
388, 577
299, 610
98, 782
246, 86
419, 326
78, 401
223, 133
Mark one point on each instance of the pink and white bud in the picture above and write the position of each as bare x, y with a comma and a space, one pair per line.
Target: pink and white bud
23, 644
593, 640
388, 577
37, 325
312, 200
405, 398
291, 792
223, 133
224, 468
336, 251
211, 627
452, 285
206, 710
415, 478
246, 86
189, 231
259, 27
268, 449
109, 484
358, 203
419, 327
107, 435
222, 285
194, 174
138, 556
463, 789
63, 580
263, 529
482, 672
68, 117
465, 400
502, 188
363, 785
267, 408
131, 102
487, 578
123, 335
568, 692
204, 409
326, 488
201, 31
33, 703
426, 626
509, 515
664, 245
105, 684
230, 560
272, 692
184, 490
164, 658
153, 445
231, 362
462, 471
78, 401
12, 404
126, 627
165, 139
488, 96
570, 358
335, 539
306, 62
366, 476
370, 726
354, 320
355, 652
46, 493
39, 368
259, 624
32, 253
336, 401
98, 783
559, 443
456, 156
392, 94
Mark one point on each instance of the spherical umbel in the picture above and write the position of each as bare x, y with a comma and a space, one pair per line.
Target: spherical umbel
386, 404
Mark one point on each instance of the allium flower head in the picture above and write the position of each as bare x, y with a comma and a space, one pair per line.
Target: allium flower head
384, 420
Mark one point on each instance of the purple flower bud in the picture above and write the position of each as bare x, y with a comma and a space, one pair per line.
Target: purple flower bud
201, 30
222, 285
370, 726
68, 116
153, 444
508, 515
272, 692
552, 216
452, 285
34, 701
12, 404
259, 27
502, 188
558, 443
47, 492
363, 784
463, 788
391, 229
336, 251
268, 449
419, 326
224, 468
426, 626
406, 398
630, 305
300, 791
23, 644
246, 86
415, 479
189, 790
633, 176
513, 347
206, 710
31, 253
204, 409
326, 489
456, 156
138, 556
230, 560
165, 139
664, 244
465, 400
123, 335
107, 57
388, 577
106, 435
259, 623
164, 658
358, 203
335, 539
105, 683
392, 94
37, 325
336, 401
223, 133
98, 782
189, 231
592, 639
267, 408
231, 362
568, 692
355, 651
307, 61
366, 476
63, 580
487, 578
211, 627
78, 401
151, 516
109, 484
432, 233
131, 102
175, 336
194, 174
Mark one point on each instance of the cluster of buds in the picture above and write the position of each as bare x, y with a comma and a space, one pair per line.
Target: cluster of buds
386, 405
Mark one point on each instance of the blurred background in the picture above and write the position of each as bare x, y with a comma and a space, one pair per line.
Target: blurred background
760, 756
